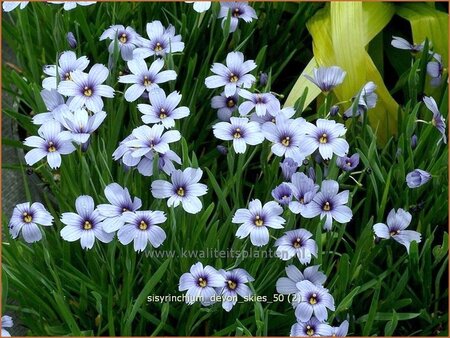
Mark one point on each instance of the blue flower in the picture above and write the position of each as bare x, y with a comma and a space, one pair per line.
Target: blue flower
145, 79
298, 243
435, 69
348, 163
161, 41
367, 100
80, 124
401, 43
327, 78
140, 227
240, 131
233, 75
87, 89
7, 321
233, 286
8, 6
85, 225
25, 219
51, 143
417, 178
256, 219
239, 10
315, 300
288, 168
438, 120
127, 40
330, 204
304, 189
183, 189
288, 285
69, 5
226, 105
310, 328
55, 105
262, 103
341, 330
200, 284
286, 136
120, 202
326, 137
397, 222
282, 194
149, 140
67, 63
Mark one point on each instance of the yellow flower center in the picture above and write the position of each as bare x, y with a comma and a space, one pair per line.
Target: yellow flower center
162, 114
147, 82
87, 92
27, 217
349, 164
123, 38
236, 12
323, 139
237, 133
297, 244
313, 299
202, 282
180, 192
124, 209
233, 78
327, 207
158, 47
258, 221
230, 103
51, 147
143, 225
232, 285
67, 76
286, 141
309, 330
393, 233
87, 225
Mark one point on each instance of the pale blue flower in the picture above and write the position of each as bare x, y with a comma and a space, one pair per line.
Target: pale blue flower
329, 203
127, 40
145, 79
234, 286
326, 137
233, 76
67, 63
311, 328
200, 284
161, 41
25, 219
397, 222
298, 243
315, 299
85, 225
183, 188
262, 103
152, 139
240, 131
120, 202
163, 109
69, 5
239, 10
327, 78
51, 143
140, 227
87, 89
256, 219
417, 178
55, 105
